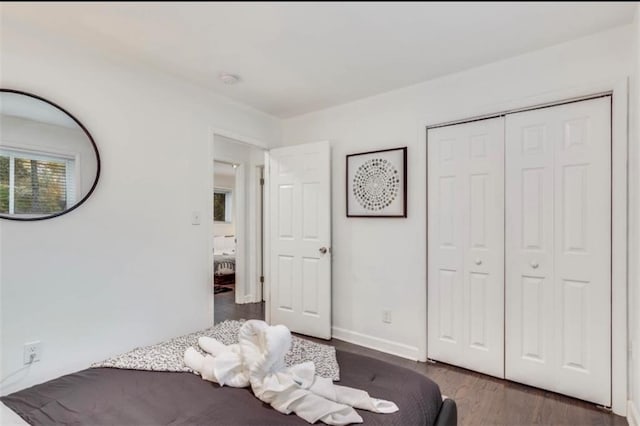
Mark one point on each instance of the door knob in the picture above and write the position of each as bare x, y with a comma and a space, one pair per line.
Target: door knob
478, 262
534, 264
323, 250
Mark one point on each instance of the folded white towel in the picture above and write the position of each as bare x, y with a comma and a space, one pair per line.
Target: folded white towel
258, 360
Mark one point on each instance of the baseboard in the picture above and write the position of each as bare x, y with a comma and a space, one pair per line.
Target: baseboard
633, 416
371, 342
249, 298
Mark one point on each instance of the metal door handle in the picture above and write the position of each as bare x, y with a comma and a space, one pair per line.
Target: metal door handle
323, 250
534, 264
478, 262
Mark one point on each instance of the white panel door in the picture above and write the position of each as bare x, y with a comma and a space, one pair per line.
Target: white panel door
466, 245
558, 250
300, 238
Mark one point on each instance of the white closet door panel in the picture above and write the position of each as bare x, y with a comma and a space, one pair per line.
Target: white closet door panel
466, 252
583, 249
571, 329
529, 249
483, 284
445, 271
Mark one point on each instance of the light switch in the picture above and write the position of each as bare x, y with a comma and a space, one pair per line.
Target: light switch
195, 218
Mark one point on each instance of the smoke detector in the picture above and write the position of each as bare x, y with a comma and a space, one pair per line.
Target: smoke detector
227, 78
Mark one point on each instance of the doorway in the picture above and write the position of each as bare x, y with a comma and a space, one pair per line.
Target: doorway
237, 230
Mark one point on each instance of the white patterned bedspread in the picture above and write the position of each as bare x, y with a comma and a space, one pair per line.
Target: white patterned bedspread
168, 356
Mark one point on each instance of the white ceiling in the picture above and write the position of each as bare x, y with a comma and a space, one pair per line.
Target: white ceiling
295, 58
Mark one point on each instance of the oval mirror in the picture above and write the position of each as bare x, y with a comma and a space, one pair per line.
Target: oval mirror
49, 163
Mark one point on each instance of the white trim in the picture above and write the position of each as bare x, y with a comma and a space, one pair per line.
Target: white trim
208, 229
252, 218
12, 184
255, 227
39, 153
72, 171
242, 284
522, 109
619, 246
240, 138
247, 298
376, 343
619, 183
633, 416
266, 235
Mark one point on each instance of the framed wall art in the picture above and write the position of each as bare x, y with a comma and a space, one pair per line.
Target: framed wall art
377, 183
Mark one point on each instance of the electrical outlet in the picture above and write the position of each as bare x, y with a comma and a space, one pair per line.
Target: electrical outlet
386, 316
32, 352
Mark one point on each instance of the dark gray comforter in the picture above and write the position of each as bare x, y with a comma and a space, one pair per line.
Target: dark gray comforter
107, 396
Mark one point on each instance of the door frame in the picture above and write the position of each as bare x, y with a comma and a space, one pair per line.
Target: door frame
619, 91
246, 249
266, 236
260, 183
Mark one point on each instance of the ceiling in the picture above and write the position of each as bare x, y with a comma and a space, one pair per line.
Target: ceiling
295, 58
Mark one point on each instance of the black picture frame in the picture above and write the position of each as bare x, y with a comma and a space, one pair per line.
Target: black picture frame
402, 185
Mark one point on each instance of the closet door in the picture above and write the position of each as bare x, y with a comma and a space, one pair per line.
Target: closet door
466, 245
558, 249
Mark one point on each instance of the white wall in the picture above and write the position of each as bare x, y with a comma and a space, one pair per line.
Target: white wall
380, 263
127, 268
634, 230
221, 229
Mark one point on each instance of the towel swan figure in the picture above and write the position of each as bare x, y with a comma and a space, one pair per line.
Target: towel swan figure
257, 360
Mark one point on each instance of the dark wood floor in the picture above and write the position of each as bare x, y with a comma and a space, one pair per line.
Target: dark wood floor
481, 400
225, 308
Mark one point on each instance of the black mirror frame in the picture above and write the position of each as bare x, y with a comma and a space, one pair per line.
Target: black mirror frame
95, 150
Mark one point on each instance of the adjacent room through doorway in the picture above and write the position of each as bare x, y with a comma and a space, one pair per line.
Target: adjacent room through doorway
237, 230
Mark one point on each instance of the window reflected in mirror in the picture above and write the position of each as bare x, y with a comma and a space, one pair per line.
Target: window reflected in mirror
222, 201
49, 163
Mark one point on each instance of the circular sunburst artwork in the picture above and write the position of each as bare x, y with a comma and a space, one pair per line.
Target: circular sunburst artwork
376, 184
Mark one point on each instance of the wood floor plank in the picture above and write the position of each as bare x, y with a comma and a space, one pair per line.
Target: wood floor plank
481, 400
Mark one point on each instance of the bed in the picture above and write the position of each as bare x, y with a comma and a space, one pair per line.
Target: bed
101, 396
224, 255
224, 264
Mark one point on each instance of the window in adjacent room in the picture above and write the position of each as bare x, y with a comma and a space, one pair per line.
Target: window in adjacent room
36, 182
222, 199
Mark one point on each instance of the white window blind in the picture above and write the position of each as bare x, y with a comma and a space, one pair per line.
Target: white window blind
36, 182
